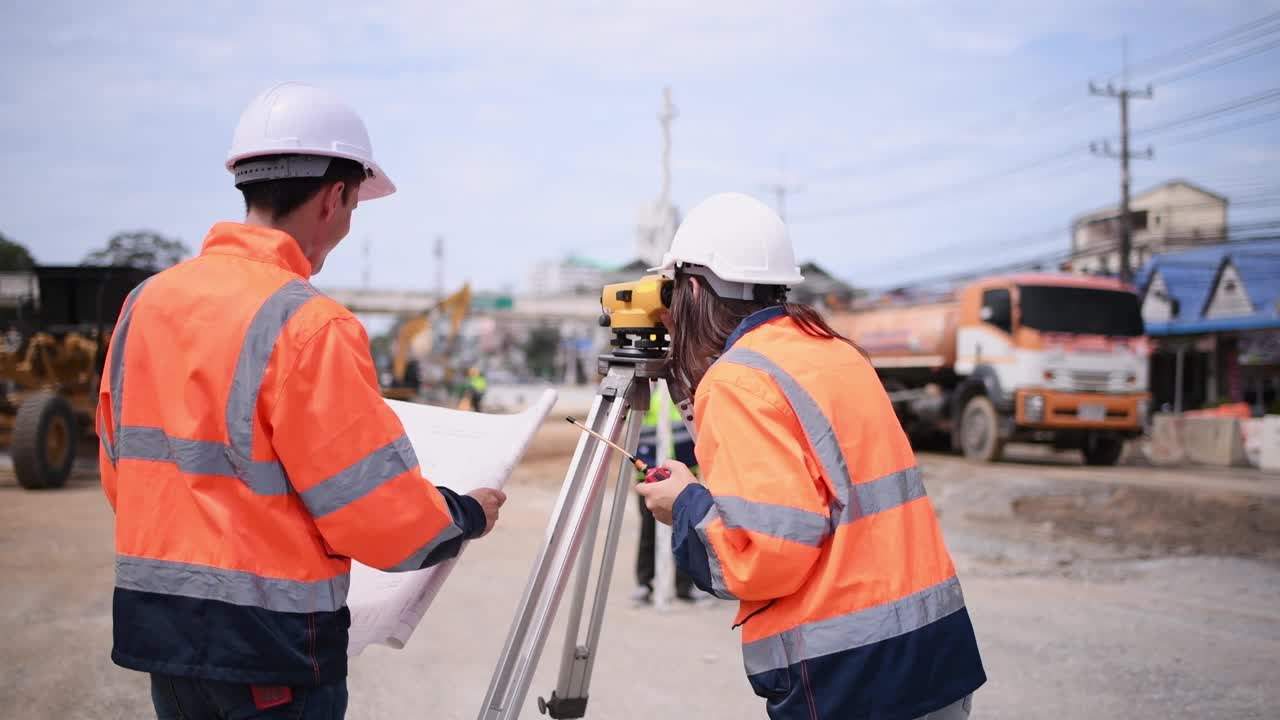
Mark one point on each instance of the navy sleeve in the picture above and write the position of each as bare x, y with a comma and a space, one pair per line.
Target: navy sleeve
690, 508
468, 515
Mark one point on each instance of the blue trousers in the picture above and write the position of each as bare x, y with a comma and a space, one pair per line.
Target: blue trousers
179, 698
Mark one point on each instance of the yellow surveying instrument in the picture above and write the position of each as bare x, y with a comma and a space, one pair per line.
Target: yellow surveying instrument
633, 312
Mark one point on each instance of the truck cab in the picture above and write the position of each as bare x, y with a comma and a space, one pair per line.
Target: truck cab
1038, 357
1049, 358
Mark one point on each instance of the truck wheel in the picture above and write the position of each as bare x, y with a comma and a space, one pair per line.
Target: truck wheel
44, 441
980, 430
1102, 449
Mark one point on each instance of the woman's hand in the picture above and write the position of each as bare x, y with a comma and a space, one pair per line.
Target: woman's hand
660, 497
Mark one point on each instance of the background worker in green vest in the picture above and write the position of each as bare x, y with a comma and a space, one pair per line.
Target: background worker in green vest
477, 384
647, 450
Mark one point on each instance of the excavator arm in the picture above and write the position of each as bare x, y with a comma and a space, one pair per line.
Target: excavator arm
456, 305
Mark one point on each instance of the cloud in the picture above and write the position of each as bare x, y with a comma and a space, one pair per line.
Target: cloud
526, 130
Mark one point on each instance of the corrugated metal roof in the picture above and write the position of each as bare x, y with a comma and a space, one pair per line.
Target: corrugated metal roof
1257, 321
1260, 270
1190, 276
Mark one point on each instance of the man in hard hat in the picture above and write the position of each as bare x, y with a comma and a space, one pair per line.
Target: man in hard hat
246, 449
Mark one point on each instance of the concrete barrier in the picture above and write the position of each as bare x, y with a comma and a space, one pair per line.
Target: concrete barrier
1166, 440
1269, 453
1251, 434
1213, 441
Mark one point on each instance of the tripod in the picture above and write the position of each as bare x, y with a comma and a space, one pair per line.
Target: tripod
571, 537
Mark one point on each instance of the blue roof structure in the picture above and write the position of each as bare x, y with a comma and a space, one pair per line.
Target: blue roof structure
1191, 276
1259, 268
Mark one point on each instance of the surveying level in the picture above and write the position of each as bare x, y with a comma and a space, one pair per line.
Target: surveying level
633, 311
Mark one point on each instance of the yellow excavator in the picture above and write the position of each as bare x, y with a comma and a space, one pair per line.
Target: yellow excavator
456, 305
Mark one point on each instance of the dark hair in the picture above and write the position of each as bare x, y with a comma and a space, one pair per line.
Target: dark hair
281, 197
704, 323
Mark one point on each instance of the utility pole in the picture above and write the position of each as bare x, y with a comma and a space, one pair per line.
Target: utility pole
664, 573
365, 274
665, 117
657, 222
1123, 94
439, 255
780, 190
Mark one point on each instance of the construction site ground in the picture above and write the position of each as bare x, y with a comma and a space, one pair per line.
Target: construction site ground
1096, 593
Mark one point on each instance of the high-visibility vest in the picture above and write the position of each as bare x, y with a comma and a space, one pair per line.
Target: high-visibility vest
815, 518
248, 455
681, 441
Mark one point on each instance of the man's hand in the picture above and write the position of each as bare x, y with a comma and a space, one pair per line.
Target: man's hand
491, 500
660, 497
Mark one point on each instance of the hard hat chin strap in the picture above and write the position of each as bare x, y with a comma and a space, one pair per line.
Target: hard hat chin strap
281, 167
731, 290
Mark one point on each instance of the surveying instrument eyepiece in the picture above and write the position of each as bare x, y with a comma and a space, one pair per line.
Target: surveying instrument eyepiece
633, 312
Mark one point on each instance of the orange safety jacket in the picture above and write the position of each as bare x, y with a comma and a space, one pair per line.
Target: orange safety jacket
813, 515
248, 455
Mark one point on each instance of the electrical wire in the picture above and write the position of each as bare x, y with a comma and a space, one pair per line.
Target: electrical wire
1192, 72
1256, 29
1218, 131
1059, 257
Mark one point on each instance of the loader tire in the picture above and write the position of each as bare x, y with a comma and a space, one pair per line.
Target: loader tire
980, 431
44, 441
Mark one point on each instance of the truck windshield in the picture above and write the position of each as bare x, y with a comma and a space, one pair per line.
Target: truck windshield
1080, 311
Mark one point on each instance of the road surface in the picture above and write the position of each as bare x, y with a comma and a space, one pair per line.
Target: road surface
1112, 593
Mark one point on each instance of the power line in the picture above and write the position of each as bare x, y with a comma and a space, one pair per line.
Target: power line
1192, 72
909, 198
1252, 30
932, 254
1226, 40
986, 244
1225, 235
1215, 132
1036, 164
1261, 98
1059, 257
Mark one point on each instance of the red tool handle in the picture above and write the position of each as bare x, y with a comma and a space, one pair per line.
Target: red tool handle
657, 474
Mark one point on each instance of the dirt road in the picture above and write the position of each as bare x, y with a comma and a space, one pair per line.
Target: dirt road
1094, 596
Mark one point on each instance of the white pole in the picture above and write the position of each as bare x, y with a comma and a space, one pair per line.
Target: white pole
664, 580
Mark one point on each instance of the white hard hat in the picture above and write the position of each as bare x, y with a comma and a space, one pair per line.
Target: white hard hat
298, 119
738, 239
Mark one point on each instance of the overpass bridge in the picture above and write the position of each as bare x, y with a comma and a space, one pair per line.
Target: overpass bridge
513, 307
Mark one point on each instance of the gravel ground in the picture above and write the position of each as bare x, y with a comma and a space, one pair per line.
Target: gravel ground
1117, 593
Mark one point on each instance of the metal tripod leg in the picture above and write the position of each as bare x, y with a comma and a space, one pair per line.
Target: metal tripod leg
569, 700
580, 497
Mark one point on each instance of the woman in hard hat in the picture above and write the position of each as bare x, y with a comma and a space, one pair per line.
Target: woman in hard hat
811, 510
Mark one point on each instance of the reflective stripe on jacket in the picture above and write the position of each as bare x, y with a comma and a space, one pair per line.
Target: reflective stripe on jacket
813, 515
248, 454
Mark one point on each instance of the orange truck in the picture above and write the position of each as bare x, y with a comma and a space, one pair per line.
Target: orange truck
1042, 358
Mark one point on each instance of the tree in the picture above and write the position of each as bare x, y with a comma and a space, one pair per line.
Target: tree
144, 249
540, 351
381, 347
14, 257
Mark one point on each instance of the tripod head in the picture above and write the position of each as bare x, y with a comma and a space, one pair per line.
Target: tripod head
633, 312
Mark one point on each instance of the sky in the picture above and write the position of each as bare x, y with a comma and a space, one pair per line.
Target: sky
524, 131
